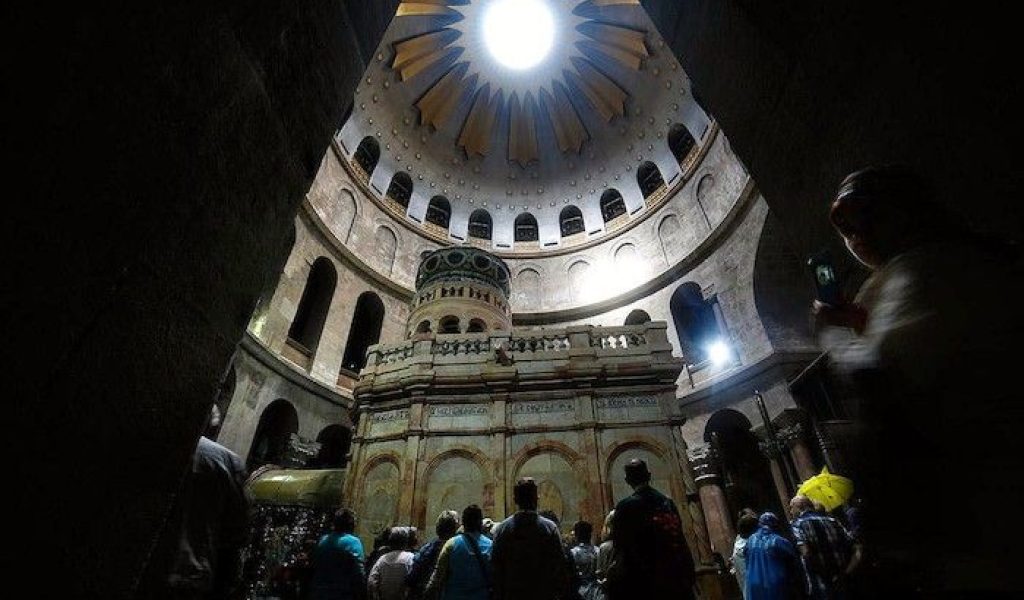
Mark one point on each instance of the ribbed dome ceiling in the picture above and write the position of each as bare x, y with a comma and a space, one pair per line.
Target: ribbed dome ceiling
471, 135
467, 74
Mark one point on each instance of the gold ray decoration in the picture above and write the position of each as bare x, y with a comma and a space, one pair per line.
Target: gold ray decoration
604, 95
425, 7
569, 130
522, 133
416, 54
476, 133
624, 45
480, 100
439, 103
617, 54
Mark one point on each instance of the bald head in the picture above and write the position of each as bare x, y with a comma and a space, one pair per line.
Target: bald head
799, 505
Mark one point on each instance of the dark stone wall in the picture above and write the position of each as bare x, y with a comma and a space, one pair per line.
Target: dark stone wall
161, 154
808, 91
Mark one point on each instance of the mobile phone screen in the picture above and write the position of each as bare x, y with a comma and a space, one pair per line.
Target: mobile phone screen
825, 281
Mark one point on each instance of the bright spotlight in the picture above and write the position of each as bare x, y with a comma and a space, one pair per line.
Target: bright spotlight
519, 33
719, 353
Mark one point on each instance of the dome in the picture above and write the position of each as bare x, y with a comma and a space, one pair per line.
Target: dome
576, 149
463, 263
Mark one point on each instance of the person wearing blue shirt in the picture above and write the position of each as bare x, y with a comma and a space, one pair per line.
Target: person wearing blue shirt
338, 571
463, 570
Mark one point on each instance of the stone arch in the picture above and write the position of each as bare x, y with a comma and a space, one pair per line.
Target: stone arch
278, 421
386, 248
449, 324
335, 441
695, 321
379, 493
558, 471
346, 210
577, 273
570, 221
311, 315
663, 477
670, 234
527, 287
367, 155
612, 204
367, 320
441, 484
481, 226
742, 462
626, 256
476, 326
649, 178
637, 317
439, 212
704, 188
680, 142
525, 228
400, 189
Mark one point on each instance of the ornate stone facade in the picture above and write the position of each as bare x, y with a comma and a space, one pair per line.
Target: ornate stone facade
452, 419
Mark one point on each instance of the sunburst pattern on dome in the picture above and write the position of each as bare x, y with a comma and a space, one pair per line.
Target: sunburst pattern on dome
478, 95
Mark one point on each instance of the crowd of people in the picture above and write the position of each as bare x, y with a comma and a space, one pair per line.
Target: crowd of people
816, 556
642, 554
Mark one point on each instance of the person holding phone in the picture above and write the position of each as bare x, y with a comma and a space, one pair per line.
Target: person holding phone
930, 343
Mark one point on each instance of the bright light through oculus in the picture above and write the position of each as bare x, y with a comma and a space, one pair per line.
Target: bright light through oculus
519, 33
719, 353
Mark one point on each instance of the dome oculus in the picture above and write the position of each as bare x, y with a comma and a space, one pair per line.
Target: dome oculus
519, 33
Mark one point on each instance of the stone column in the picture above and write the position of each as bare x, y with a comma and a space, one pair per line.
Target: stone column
778, 475
708, 477
793, 437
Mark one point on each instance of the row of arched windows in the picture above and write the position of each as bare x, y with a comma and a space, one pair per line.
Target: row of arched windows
311, 316
681, 143
278, 422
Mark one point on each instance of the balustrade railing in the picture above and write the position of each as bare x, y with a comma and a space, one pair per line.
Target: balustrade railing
619, 338
539, 343
522, 344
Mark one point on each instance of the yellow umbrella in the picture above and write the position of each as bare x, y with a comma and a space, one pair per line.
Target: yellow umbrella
830, 490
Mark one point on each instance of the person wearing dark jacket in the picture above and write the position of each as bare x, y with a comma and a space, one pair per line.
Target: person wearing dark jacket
656, 562
527, 556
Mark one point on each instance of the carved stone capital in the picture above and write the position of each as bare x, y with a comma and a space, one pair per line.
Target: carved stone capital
707, 468
791, 434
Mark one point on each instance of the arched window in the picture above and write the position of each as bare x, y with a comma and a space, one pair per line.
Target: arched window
680, 141
695, 321
309, 319
480, 224
649, 178
365, 331
449, 324
612, 204
367, 155
423, 327
400, 189
335, 441
637, 317
571, 221
476, 326
439, 211
526, 228
276, 426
